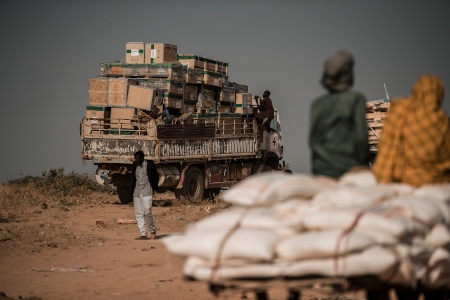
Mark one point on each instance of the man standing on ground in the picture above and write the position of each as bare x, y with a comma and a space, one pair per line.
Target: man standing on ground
144, 182
265, 115
338, 134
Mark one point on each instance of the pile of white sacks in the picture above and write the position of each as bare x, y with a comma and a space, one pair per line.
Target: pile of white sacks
296, 226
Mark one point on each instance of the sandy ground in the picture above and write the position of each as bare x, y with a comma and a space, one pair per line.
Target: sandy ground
83, 253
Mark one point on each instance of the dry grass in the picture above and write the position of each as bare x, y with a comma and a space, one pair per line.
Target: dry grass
33, 210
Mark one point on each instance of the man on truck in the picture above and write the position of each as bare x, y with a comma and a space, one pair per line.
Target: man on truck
265, 114
144, 181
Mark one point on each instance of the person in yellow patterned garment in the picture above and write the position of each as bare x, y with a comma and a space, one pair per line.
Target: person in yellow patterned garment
414, 146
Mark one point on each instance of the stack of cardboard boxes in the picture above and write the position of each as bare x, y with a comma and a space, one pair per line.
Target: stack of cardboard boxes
153, 76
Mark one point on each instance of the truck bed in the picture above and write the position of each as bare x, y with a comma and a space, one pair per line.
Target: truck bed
228, 138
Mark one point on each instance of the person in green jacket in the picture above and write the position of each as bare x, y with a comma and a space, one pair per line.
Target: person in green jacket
338, 134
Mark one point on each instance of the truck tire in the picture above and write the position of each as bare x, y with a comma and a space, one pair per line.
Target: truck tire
124, 194
193, 186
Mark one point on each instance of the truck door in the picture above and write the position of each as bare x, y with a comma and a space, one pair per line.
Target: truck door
272, 140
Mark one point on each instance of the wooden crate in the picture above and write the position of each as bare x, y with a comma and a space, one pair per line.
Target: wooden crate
192, 61
374, 133
240, 88
112, 69
228, 95
208, 92
226, 108
190, 92
166, 85
377, 105
166, 70
193, 76
211, 78
221, 67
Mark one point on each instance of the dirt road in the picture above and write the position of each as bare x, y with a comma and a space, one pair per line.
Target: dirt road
81, 252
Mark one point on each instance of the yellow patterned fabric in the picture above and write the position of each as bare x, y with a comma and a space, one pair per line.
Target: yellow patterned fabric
414, 146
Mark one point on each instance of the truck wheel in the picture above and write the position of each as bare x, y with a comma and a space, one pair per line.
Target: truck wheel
193, 186
124, 194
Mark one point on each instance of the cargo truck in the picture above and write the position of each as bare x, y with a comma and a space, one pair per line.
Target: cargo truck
195, 153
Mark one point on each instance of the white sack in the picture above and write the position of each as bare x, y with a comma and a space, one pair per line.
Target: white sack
273, 187
350, 197
444, 208
243, 243
439, 192
376, 261
438, 236
437, 274
319, 244
419, 208
267, 218
360, 178
379, 220
400, 189
405, 274
200, 269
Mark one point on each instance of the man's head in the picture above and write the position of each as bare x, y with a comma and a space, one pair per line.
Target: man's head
266, 94
338, 72
139, 157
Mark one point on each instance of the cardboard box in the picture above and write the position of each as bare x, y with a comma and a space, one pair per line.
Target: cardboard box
118, 90
227, 95
212, 78
165, 85
142, 97
121, 117
134, 53
98, 91
98, 112
160, 53
244, 103
193, 76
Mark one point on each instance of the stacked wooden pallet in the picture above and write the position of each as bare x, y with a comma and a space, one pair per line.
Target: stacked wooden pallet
157, 80
376, 112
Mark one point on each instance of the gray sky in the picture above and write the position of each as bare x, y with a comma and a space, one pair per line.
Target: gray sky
50, 49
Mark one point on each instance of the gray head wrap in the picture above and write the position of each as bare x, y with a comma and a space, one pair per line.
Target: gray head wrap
338, 72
